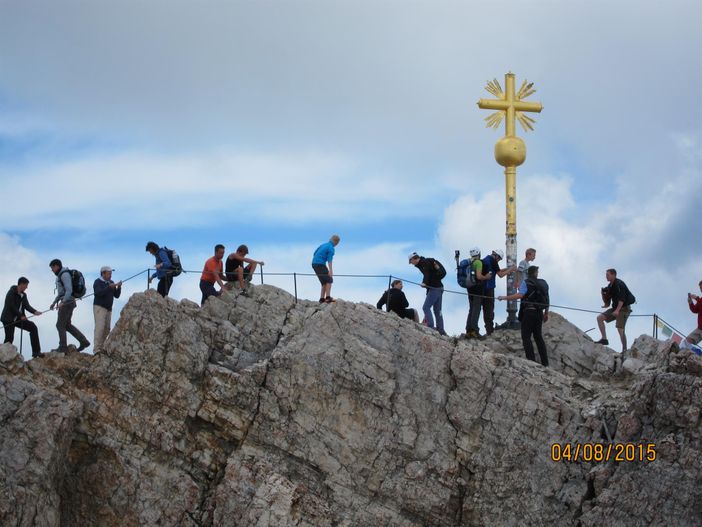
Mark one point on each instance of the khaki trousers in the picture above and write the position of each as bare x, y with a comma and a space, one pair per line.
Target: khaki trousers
103, 318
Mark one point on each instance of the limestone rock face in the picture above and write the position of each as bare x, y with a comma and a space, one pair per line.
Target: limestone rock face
262, 411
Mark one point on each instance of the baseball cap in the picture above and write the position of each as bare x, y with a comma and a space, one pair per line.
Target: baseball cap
413, 255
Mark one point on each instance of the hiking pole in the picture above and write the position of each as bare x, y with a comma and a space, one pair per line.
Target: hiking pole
387, 303
21, 341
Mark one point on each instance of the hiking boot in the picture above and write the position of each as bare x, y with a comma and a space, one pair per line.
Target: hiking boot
83, 346
321, 301
38, 355
60, 349
329, 300
604, 342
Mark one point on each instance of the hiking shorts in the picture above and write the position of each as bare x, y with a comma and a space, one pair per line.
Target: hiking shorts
695, 336
621, 319
322, 273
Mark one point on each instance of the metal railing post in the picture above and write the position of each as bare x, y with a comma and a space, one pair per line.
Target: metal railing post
655, 326
20, 329
148, 282
261, 275
295, 282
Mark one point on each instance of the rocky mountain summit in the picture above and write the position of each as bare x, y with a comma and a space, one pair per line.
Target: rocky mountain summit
260, 411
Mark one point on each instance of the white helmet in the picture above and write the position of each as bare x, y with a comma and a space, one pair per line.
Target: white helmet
475, 251
498, 252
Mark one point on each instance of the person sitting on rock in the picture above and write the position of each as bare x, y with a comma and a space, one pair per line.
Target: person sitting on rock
14, 316
618, 295
397, 303
533, 311
695, 305
211, 274
236, 272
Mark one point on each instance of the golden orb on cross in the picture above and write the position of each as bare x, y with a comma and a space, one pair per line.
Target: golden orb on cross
510, 151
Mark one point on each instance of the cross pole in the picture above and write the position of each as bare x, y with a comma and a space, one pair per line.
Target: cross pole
510, 152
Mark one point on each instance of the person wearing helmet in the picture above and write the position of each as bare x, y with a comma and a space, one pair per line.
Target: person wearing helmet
491, 265
475, 294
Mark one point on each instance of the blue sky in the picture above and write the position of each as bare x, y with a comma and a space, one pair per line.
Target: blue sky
277, 124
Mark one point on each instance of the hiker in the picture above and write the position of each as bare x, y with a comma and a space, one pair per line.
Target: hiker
475, 294
397, 303
432, 273
491, 264
529, 257
164, 268
14, 316
618, 295
695, 305
323, 256
212, 273
65, 301
533, 312
235, 270
104, 293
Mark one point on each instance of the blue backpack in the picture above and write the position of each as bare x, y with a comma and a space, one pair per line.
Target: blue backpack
465, 274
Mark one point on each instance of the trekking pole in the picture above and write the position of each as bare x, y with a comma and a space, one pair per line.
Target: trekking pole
387, 303
21, 341
295, 284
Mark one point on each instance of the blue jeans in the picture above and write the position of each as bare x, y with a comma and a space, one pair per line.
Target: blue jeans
433, 301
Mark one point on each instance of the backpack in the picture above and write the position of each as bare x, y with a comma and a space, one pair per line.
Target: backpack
465, 274
537, 294
77, 283
176, 268
437, 268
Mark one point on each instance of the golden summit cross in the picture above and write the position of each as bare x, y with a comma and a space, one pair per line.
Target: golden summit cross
510, 152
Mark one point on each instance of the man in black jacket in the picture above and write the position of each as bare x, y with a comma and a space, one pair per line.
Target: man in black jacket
105, 293
618, 294
533, 312
398, 302
13, 316
432, 273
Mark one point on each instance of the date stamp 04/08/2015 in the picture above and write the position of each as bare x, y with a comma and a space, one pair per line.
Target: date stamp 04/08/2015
603, 452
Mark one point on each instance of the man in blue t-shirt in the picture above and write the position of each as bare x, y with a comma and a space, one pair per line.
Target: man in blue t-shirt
491, 265
323, 256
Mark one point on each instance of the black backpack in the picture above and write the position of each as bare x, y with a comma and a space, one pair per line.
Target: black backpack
537, 294
77, 282
437, 268
176, 268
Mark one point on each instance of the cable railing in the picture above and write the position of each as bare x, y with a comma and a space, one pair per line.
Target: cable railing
657, 320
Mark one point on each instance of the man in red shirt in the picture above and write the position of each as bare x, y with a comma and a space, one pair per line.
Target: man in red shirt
211, 274
695, 305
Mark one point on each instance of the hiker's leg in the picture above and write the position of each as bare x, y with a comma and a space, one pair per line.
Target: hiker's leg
601, 325
426, 308
527, 328
437, 311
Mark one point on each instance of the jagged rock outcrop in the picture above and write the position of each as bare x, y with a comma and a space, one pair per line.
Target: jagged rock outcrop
262, 411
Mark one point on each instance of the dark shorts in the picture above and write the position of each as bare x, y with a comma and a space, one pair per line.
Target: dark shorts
407, 312
621, 319
322, 273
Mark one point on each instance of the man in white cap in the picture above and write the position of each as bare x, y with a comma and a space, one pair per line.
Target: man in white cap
105, 292
491, 265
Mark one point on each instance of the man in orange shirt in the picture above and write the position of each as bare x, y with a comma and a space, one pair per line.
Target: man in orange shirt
213, 272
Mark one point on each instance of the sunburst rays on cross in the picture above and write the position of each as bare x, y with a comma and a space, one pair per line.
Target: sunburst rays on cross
495, 119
